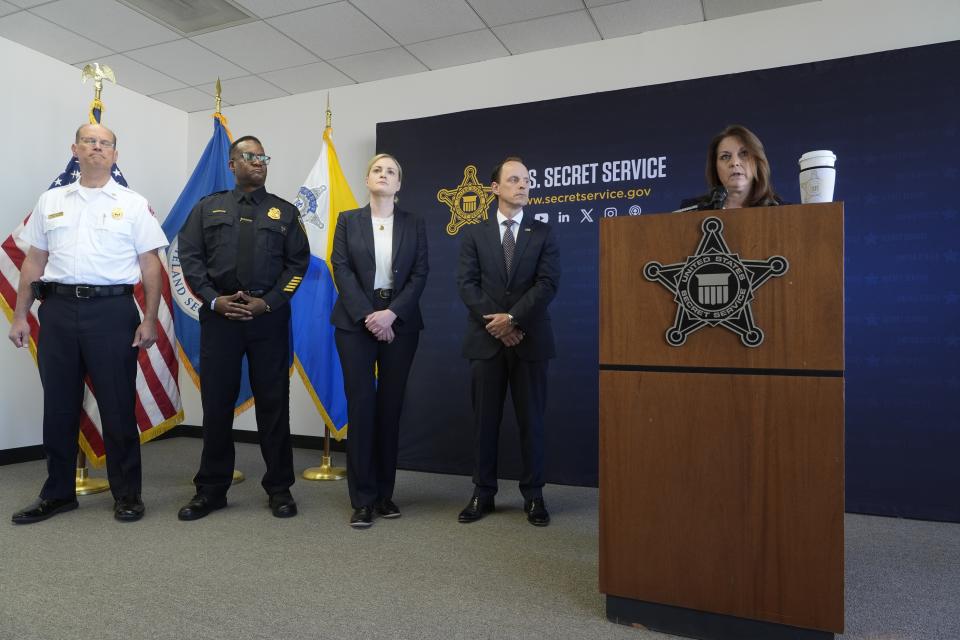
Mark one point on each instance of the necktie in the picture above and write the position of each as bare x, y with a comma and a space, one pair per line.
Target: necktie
509, 243
245, 243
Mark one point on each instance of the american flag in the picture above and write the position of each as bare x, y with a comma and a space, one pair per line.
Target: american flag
158, 406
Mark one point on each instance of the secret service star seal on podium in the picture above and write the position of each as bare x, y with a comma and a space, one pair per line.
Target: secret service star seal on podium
715, 287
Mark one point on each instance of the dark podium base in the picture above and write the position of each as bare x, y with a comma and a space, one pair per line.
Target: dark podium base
701, 624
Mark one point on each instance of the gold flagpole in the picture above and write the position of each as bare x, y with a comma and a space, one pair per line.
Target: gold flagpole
326, 471
238, 476
84, 483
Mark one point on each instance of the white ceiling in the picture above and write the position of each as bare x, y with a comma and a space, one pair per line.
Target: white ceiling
294, 46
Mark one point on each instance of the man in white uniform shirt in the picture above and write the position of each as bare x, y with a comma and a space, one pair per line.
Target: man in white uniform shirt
90, 243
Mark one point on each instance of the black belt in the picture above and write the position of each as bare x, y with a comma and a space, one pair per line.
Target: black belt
384, 294
88, 290
256, 293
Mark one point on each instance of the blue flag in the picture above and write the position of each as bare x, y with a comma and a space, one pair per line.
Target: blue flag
210, 176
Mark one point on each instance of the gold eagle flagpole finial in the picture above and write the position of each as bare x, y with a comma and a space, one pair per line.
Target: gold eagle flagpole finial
329, 113
219, 99
98, 72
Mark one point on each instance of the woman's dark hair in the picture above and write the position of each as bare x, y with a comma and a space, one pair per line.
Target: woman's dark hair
762, 193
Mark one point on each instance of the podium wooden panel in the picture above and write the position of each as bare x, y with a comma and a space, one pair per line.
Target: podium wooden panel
721, 465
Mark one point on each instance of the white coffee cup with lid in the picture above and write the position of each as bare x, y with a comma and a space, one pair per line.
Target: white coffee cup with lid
817, 176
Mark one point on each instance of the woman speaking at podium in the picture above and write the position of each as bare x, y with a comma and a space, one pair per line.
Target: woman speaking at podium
738, 173
380, 268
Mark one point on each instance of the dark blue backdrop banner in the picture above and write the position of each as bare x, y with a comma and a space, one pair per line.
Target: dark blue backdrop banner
891, 118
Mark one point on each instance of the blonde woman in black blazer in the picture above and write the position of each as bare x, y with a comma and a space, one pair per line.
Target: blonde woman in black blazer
380, 267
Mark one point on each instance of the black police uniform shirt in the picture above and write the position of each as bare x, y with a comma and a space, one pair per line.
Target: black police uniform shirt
210, 252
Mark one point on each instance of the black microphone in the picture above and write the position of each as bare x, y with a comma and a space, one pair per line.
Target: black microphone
717, 197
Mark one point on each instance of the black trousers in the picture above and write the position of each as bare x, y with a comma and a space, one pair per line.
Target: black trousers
373, 409
80, 337
265, 341
528, 387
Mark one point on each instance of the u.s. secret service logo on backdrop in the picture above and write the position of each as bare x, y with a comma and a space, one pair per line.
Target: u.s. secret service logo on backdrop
468, 201
715, 287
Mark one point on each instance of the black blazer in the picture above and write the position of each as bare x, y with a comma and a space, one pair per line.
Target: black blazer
354, 269
486, 287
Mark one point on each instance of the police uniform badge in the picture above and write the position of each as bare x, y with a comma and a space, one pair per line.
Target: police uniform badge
117, 213
715, 287
467, 202
273, 213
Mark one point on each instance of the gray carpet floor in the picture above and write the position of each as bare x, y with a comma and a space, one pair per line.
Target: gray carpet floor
240, 573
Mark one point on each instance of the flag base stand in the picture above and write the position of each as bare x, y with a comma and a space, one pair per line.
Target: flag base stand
85, 484
325, 471
238, 476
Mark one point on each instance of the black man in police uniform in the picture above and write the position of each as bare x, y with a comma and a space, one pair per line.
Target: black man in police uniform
244, 253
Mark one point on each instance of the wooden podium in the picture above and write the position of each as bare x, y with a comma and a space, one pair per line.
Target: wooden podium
721, 464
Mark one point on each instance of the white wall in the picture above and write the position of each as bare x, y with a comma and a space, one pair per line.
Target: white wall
42, 104
290, 127
53, 103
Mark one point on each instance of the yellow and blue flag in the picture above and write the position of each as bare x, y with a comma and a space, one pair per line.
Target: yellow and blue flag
324, 194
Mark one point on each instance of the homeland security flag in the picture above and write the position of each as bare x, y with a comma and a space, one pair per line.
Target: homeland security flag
210, 176
158, 407
324, 194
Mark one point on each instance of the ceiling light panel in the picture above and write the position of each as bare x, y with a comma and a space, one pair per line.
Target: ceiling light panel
191, 17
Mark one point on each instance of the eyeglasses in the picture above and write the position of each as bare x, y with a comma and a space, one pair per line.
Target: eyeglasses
93, 142
259, 157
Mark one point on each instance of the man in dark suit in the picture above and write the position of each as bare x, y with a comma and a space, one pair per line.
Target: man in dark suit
508, 274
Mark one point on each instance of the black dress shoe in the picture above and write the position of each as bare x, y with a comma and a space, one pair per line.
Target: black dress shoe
128, 508
283, 505
201, 506
476, 509
536, 512
385, 508
43, 509
362, 518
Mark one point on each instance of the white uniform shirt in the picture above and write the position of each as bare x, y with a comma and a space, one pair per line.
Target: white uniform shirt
383, 251
93, 236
